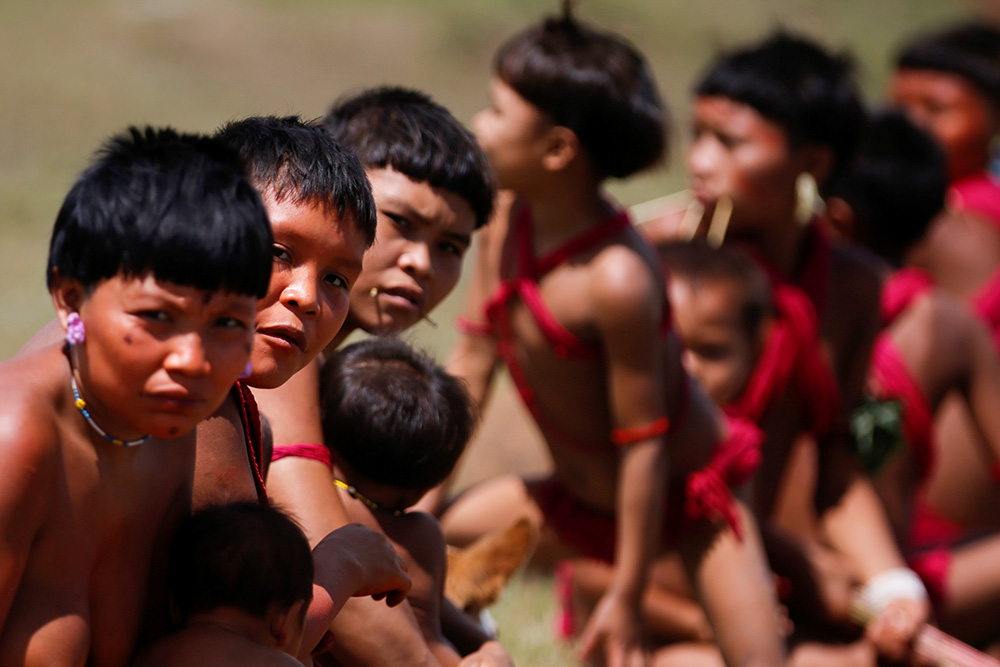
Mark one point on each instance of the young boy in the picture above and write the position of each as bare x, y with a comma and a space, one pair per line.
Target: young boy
397, 423
932, 346
773, 121
241, 581
156, 259
581, 320
432, 188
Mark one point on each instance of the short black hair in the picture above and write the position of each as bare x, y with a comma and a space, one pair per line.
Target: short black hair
295, 160
177, 206
393, 414
698, 262
405, 130
245, 555
594, 83
969, 49
796, 84
896, 184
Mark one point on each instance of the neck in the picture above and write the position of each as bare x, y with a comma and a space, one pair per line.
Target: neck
780, 244
236, 622
565, 210
85, 407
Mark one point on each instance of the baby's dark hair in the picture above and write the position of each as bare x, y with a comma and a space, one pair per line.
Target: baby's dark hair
405, 130
970, 49
594, 83
298, 161
796, 84
176, 206
393, 414
699, 263
896, 185
245, 555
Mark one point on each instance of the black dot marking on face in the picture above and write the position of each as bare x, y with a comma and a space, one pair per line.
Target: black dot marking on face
173, 432
128, 339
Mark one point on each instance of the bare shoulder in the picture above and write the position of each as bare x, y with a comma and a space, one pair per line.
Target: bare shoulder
623, 282
947, 321
32, 399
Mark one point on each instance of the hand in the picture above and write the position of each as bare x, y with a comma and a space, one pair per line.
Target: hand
893, 631
490, 654
367, 559
614, 631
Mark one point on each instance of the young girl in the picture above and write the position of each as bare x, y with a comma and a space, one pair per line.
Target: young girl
771, 122
577, 311
158, 255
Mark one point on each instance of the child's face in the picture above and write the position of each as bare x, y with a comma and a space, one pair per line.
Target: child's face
422, 235
159, 357
736, 152
317, 257
953, 111
717, 350
513, 134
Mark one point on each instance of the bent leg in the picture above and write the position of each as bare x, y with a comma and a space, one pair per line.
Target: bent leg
737, 591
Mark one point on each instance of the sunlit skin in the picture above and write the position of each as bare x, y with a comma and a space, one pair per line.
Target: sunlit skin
81, 515
317, 259
422, 235
952, 110
718, 350
510, 130
159, 357
737, 153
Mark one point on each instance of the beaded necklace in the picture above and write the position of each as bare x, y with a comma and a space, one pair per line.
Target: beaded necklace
81, 405
368, 502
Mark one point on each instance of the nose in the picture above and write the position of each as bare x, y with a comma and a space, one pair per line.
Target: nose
416, 260
188, 355
301, 292
700, 160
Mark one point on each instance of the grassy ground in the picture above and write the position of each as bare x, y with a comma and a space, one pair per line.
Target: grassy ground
74, 71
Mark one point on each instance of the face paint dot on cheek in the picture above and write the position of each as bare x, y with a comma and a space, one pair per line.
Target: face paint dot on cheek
128, 339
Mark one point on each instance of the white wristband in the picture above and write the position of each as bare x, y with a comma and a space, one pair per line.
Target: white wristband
898, 584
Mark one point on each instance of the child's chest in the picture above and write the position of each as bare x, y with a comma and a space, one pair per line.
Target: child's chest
82, 596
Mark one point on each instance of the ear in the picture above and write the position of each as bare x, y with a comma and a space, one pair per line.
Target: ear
67, 296
562, 146
842, 218
818, 160
286, 626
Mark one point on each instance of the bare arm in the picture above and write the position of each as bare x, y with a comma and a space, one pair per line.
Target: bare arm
351, 561
627, 309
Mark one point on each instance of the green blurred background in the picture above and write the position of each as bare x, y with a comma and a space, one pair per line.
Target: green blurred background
74, 71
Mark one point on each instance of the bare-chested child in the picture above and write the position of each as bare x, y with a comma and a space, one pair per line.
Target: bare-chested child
240, 582
932, 346
771, 120
397, 423
432, 187
579, 315
157, 257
